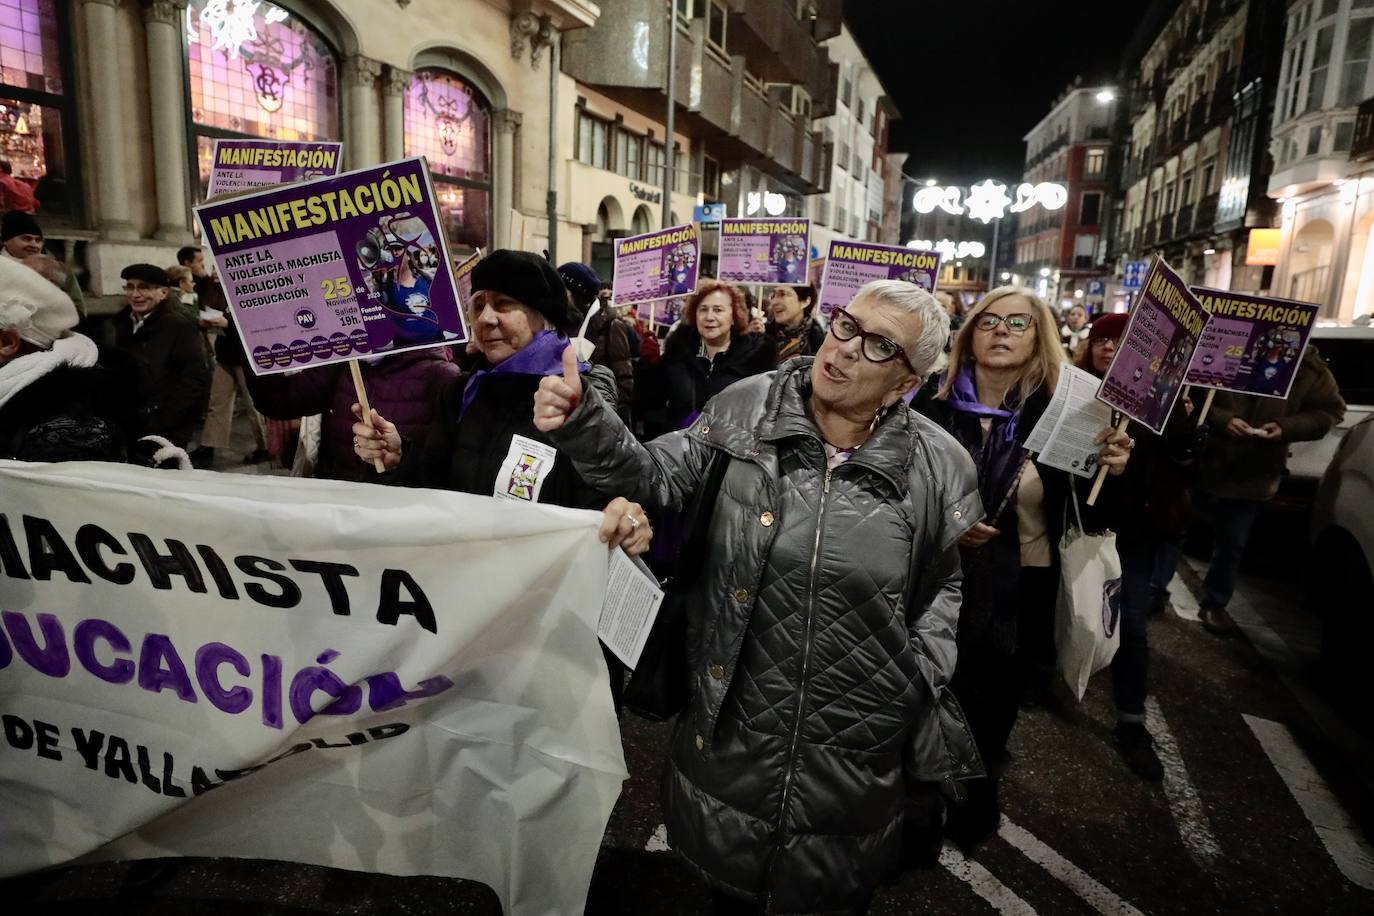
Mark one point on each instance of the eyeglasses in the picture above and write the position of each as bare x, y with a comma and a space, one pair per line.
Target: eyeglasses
1102, 341
135, 289
875, 347
1016, 323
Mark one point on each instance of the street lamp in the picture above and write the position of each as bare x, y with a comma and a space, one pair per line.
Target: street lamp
1005, 275
1044, 271
1105, 96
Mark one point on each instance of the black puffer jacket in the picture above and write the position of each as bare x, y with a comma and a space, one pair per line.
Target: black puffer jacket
692, 380
73, 414
821, 635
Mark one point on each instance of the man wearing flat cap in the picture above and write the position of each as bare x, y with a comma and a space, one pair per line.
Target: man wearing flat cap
169, 347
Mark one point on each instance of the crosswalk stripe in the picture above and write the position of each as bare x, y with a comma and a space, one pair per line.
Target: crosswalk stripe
984, 883
1094, 893
1338, 833
1194, 827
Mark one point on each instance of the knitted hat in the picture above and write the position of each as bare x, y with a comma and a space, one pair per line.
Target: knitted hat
526, 278
581, 280
1113, 326
16, 223
31, 305
148, 273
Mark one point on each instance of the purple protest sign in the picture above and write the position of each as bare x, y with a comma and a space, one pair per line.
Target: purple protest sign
773, 251
242, 165
1152, 358
665, 312
849, 265
657, 265
1252, 344
336, 268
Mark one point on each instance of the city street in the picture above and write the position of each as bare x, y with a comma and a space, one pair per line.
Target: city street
1266, 807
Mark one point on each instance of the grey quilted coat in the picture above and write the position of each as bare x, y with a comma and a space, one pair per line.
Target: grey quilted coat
821, 635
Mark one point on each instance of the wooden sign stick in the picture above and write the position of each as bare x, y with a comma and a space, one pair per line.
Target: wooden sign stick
362, 402
1206, 406
1102, 471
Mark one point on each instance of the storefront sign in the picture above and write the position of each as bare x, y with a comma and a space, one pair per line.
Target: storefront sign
1153, 356
336, 268
241, 165
644, 194
657, 265
849, 265
1252, 344
1263, 247
764, 251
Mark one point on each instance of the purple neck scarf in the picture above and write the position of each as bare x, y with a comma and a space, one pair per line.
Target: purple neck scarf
963, 397
541, 356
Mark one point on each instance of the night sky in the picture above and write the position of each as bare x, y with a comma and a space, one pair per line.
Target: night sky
970, 77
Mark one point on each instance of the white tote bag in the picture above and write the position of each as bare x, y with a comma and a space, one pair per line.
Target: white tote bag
1086, 619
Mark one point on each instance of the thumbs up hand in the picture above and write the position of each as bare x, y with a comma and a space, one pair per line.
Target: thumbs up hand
558, 397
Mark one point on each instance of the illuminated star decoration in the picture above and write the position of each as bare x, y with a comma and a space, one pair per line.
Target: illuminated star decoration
987, 201
231, 22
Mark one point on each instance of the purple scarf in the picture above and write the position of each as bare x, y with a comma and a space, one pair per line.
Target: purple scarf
963, 397
541, 356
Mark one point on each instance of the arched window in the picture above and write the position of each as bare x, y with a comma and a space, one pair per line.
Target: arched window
256, 71
34, 106
449, 123
642, 221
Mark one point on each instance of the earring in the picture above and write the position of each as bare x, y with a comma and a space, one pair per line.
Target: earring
878, 417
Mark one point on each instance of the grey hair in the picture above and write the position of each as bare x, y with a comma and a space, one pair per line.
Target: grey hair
910, 298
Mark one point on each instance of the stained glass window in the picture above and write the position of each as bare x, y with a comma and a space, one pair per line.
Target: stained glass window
32, 103
257, 71
449, 123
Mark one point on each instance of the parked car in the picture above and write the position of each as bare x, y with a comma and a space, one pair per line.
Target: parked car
1340, 586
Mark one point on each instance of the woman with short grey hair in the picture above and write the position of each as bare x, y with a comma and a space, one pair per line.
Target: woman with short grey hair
821, 625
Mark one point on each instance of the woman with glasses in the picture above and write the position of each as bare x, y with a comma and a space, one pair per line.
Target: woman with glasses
820, 631
1003, 367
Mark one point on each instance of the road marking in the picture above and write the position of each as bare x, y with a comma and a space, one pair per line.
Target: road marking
1194, 827
659, 841
1342, 839
984, 883
1089, 889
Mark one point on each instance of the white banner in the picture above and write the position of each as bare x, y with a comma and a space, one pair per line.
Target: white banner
385, 680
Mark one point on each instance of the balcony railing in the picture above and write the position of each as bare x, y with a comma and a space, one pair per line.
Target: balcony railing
1166, 227
1206, 213
1183, 221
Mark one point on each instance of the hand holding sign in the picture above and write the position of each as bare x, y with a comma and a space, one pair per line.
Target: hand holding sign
1116, 450
558, 397
378, 443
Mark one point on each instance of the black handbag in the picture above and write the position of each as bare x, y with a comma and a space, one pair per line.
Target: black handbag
657, 689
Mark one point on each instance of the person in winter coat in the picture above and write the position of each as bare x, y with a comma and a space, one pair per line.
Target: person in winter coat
171, 351
1149, 509
61, 398
820, 635
792, 323
709, 350
21, 237
1241, 470
483, 440
1075, 331
404, 387
1003, 368
605, 331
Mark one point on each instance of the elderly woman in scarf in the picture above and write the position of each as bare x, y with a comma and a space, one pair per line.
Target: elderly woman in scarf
1003, 368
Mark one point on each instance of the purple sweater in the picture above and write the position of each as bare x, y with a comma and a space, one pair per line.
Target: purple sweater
404, 388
